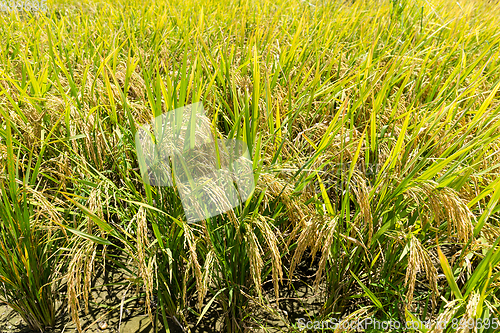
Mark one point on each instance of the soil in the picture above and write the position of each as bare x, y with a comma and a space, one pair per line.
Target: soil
297, 300
133, 317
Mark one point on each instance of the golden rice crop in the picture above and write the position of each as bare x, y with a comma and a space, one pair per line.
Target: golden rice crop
373, 127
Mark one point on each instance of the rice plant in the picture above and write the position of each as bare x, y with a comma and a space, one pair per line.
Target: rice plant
31, 246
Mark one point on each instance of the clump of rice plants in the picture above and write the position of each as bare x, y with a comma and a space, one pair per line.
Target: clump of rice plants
29, 248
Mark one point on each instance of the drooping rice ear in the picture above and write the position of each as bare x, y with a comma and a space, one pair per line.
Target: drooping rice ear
419, 259
361, 193
83, 255
328, 237
272, 239
193, 259
207, 277
254, 252
145, 268
449, 312
306, 239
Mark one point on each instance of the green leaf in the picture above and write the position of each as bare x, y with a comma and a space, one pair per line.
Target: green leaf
449, 274
368, 292
410, 318
87, 236
205, 309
